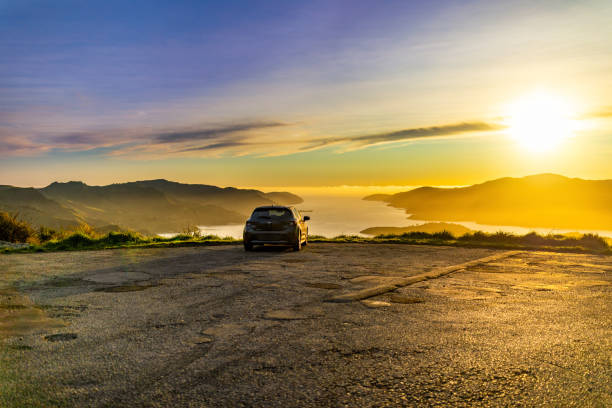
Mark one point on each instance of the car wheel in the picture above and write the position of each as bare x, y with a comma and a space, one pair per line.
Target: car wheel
298, 245
248, 246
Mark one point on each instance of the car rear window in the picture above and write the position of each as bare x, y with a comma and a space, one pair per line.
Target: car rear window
272, 213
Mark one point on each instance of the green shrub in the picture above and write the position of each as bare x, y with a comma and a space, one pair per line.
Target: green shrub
443, 235
413, 235
181, 237
77, 240
594, 241
210, 237
192, 230
14, 230
114, 238
45, 234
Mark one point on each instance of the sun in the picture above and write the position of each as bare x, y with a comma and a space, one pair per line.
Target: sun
540, 121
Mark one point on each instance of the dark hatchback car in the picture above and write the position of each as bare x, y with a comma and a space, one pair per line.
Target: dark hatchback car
276, 225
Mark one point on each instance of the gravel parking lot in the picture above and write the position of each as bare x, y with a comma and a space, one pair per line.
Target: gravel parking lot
215, 326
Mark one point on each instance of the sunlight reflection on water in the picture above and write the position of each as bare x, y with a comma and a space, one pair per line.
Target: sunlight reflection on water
333, 216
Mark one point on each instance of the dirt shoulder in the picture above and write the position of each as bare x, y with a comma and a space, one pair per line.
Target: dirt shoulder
215, 326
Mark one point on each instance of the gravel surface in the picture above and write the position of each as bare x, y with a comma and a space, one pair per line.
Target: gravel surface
215, 326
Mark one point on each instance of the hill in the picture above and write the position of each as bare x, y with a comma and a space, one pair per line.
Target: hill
430, 228
147, 206
33, 206
544, 200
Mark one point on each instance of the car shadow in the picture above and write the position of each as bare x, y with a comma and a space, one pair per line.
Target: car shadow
272, 248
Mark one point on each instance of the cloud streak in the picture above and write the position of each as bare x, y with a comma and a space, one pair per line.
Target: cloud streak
259, 138
411, 134
214, 146
214, 133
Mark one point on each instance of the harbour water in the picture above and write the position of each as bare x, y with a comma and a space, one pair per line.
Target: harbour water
348, 215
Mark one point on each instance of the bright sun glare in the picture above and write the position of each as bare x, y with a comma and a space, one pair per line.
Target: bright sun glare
540, 121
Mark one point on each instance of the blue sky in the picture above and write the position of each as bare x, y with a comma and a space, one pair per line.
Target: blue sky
231, 92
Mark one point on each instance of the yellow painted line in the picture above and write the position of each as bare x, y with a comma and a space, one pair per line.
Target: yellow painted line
409, 280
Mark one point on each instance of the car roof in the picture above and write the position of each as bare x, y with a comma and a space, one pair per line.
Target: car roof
274, 207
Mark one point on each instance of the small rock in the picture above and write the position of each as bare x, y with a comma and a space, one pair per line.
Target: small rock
203, 340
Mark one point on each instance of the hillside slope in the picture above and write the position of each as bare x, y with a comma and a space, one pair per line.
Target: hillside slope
149, 206
544, 200
35, 208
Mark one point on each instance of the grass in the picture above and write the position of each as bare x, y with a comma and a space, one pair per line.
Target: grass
85, 237
12, 229
590, 243
81, 241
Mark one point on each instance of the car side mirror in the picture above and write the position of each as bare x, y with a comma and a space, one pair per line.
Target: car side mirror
306, 218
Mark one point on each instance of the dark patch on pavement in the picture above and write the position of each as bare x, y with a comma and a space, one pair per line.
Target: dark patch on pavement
323, 285
403, 299
125, 288
61, 337
19, 347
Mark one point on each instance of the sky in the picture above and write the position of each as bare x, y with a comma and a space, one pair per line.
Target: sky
311, 94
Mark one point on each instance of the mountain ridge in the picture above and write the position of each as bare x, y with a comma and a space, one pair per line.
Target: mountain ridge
540, 200
146, 205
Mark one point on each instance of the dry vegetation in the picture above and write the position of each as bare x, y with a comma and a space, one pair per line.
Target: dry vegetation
86, 237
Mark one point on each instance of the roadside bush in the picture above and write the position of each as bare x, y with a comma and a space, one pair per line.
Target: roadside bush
181, 237
46, 234
192, 230
14, 230
477, 236
211, 237
315, 237
503, 237
114, 238
533, 239
77, 240
594, 241
87, 230
443, 235
412, 235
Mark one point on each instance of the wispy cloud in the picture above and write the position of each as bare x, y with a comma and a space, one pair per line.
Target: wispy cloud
80, 139
14, 145
214, 146
257, 138
411, 134
213, 132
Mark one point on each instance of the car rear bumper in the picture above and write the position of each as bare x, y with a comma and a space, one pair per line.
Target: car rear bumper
270, 237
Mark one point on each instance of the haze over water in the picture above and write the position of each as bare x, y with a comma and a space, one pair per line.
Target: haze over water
343, 212
332, 216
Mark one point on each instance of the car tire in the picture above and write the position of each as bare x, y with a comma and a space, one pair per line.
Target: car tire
298, 245
248, 246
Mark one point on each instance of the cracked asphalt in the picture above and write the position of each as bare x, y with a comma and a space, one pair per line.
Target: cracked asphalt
215, 326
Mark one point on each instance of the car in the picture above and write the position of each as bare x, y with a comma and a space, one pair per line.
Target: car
276, 225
